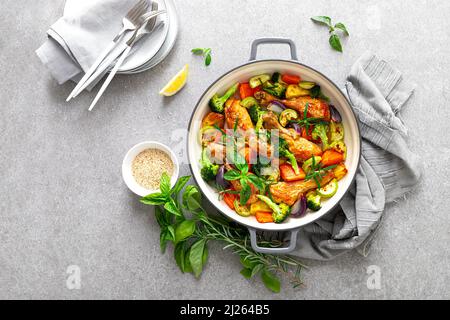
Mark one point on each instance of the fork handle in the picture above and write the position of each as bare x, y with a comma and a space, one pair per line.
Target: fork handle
110, 77
92, 68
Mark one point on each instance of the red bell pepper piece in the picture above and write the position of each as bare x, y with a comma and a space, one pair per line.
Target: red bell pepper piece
290, 79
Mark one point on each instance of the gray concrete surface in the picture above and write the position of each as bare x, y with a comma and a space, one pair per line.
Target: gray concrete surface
63, 202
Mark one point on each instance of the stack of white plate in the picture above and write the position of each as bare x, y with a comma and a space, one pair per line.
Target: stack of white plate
152, 49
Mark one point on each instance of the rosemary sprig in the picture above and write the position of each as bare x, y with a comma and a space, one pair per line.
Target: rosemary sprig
190, 236
316, 172
306, 122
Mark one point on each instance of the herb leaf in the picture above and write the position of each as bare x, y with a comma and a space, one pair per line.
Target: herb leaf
196, 256
197, 51
179, 254
172, 207
165, 184
322, 19
246, 191
180, 184
247, 273
270, 281
192, 198
342, 27
184, 230
335, 42
154, 199
231, 175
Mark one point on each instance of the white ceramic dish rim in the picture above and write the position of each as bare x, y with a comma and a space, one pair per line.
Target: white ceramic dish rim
127, 174
291, 223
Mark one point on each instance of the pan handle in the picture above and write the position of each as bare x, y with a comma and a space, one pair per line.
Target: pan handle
259, 41
290, 248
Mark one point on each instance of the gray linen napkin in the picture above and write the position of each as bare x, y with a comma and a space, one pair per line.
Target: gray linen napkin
388, 169
79, 37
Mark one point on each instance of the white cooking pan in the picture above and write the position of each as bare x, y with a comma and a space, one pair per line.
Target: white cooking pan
242, 74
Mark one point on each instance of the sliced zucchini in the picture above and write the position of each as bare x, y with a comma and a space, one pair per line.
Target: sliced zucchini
308, 163
248, 102
329, 190
339, 146
286, 116
308, 85
240, 209
258, 80
336, 131
294, 91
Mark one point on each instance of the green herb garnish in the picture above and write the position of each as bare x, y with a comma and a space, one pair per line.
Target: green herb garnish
335, 41
205, 52
190, 236
306, 122
316, 172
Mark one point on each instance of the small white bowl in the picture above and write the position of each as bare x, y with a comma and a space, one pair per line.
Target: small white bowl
127, 173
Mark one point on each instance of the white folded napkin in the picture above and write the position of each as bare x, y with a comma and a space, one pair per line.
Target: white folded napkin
78, 38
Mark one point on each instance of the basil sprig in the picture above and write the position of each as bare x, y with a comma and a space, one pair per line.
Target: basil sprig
205, 52
187, 225
334, 40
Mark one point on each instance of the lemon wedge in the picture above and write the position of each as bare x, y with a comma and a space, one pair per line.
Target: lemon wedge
176, 83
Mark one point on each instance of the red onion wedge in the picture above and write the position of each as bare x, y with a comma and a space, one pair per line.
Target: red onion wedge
335, 115
220, 180
276, 106
299, 208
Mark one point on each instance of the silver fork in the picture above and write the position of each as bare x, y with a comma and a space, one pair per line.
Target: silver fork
138, 34
130, 22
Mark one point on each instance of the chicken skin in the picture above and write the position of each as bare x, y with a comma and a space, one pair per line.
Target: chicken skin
235, 112
302, 149
288, 192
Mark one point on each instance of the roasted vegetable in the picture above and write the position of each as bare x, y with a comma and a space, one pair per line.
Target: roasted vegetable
308, 163
256, 114
276, 77
245, 90
217, 103
313, 201
294, 91
248, 102
288, 174
240, 209
258, 80
259, 206
276, 89
340, 171
335, 115
298, 209
336, 131
280, 211
321, 131
331, 157
264, 217
263, 168
213, 119
283, 151
290, 79
306, 85
210, 134
229, 199
209, 170
286, 116
339, 146
328, 190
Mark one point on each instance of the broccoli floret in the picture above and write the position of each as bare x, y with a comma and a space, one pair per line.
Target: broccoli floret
217, 103
313, 201
283, 151
209, 170
276, 89
320, 131
280, 211
256, 114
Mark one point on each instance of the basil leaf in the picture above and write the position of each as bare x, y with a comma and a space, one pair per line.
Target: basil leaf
187, 262
159, 214
197, 51
335, 42
232, 175
178, 253
184, 230
192, 198
247, 263
256, 181
270, 281
181, 182
247, 273
341, 26
171, 207
257, 269
207, 59
246, 192
322, 19
167, 234
196, 256
154, 199
164, 185
205, 255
